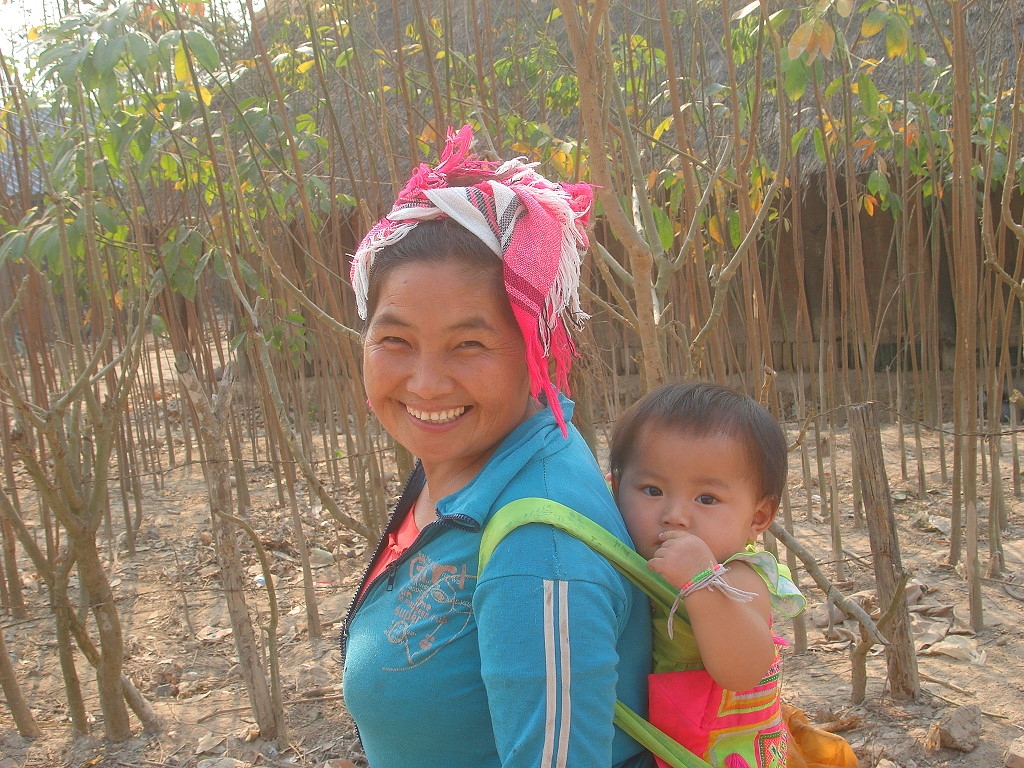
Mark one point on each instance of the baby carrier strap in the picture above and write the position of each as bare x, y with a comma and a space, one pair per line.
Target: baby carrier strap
630, 564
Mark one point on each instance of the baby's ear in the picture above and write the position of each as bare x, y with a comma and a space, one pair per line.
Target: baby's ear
613, 482
764, 515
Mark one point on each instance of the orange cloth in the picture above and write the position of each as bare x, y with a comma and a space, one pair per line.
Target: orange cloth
398, 542
811, 747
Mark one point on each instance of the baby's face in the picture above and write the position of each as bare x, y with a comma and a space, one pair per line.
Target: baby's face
702, 485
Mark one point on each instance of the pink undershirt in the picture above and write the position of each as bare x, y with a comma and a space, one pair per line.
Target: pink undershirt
398, 541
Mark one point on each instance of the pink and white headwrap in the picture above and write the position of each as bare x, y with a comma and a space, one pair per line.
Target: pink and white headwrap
535, 226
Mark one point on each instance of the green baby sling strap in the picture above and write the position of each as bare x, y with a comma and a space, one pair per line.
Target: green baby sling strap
630, 564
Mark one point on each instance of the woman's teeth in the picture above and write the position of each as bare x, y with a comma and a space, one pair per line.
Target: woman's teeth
436, 417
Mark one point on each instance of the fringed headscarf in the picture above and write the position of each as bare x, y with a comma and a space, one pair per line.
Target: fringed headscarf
535, 226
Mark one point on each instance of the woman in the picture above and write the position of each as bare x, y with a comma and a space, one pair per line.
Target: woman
464, 287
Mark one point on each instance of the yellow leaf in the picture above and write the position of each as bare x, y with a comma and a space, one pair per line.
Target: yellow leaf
825, 38
181, 73
562, 162
305, 66
429, 133
663, 126
652, 179
869, 204
119, 300
205, 95
33, 33
801, 39
844, 8
873, 24
715, 230
869, 65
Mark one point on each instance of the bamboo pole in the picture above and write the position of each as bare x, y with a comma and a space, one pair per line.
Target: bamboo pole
901, 659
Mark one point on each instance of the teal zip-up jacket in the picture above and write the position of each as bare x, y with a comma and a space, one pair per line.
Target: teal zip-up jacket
519, 669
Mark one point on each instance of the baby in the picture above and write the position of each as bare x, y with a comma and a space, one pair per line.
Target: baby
698, 471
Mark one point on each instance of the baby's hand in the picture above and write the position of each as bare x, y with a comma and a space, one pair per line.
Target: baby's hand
680, 557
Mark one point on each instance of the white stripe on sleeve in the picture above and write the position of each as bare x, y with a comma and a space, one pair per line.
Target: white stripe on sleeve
550, 673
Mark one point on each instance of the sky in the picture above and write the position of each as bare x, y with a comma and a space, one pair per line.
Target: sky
17, 15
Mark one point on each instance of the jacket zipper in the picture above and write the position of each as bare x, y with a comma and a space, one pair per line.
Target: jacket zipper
363, 587
457, 520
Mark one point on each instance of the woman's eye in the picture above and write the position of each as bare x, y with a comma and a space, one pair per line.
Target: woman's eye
707, 499
392, 340
470, 344
650, 490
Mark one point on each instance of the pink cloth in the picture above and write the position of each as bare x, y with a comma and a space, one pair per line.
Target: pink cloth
535, 226
726, 728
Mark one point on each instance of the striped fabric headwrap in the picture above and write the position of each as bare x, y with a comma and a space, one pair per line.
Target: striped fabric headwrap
535, 226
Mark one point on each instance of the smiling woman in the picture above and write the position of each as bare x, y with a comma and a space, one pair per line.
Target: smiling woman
467, 287
447, 380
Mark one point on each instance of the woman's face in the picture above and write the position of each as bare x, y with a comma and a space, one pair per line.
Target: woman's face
444, 366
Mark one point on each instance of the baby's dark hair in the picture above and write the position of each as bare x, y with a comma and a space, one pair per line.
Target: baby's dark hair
702, 410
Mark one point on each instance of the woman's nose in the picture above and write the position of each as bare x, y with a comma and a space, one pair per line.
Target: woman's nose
430, 377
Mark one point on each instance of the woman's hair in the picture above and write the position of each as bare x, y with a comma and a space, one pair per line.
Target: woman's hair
433, 242
703, 410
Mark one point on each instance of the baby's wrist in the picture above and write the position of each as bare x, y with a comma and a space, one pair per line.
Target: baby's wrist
702, 579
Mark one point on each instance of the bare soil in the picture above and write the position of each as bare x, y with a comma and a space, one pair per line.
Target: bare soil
181, 655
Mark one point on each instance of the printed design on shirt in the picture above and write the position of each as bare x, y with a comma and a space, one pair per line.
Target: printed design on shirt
432, 610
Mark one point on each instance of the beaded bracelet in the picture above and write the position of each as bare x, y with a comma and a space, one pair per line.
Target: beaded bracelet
712, 577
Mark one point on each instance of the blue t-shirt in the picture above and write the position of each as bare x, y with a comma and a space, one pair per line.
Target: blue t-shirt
520, 669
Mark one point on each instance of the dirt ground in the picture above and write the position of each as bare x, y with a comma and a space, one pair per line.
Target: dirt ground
181, 654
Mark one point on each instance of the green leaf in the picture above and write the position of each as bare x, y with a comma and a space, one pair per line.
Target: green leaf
220, 267
108, 93
139, 48
796, 79
68, 69
158, 326
54, 55
13, 247
106, 53
797, 140
249, 275
185, 104
819, 145
779, 18
897, 37
868, 94
665, 230
203, 50
106, 218
47, 251
735, 233
344, 58
878, 184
